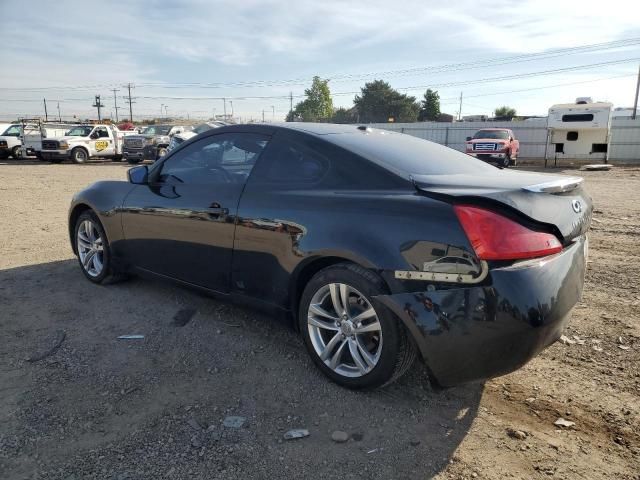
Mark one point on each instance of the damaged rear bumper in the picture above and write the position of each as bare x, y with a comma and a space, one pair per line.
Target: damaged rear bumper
479, 332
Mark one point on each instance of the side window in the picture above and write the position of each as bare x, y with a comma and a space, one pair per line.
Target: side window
299, 160
293, 162
102, 132
219, 159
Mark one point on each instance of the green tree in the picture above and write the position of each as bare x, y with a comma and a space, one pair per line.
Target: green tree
317, 107
378, 102
430, 106
504, 112
344, 115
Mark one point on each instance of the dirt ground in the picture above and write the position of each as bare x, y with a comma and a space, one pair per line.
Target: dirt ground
104, 408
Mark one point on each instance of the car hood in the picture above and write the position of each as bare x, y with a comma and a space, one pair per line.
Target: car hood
487, 140
556, 200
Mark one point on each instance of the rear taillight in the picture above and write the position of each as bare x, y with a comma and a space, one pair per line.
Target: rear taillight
495, 237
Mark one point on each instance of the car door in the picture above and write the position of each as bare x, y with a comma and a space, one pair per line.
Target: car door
182, 223
102, 142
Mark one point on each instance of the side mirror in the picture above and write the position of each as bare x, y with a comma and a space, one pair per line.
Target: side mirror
138, 175
94, 135
468, 139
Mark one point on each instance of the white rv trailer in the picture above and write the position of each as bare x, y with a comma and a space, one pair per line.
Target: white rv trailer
580, 130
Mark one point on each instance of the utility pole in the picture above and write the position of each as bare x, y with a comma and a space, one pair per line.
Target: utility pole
635, 102
46, 116
231, 103
130, 102
98, 105
263, 115
165, 111
115, 102
273, 113
224, 102
161, 107
59, 117
291, 105
460, 109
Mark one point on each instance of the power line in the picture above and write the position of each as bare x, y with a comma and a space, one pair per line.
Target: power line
492, 62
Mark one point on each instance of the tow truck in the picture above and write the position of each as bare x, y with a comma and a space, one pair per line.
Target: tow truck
84, 141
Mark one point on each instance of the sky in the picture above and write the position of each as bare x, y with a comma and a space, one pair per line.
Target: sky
188, 55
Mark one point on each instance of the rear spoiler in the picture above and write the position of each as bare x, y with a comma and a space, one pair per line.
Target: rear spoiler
555, 186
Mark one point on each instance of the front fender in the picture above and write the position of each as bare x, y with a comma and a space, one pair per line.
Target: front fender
105, 199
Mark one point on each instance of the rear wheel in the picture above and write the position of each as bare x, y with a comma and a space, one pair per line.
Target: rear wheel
354, 343
79, 155
16, 152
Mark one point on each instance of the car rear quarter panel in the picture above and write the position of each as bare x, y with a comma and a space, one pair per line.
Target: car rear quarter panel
280, 233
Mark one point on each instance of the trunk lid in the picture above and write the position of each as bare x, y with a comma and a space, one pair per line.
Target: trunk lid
557, 201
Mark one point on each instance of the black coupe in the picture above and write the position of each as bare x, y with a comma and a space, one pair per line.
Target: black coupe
377, 245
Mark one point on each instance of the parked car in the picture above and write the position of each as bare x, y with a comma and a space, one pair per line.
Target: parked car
152, 143
340, 228
179, 138
494, 144
82, 142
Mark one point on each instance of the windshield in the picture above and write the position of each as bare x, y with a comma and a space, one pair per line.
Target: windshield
203, 127
157, 130
497, 134
13, 131
82, 131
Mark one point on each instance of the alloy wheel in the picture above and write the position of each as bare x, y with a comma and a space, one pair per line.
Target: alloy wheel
344, 330
90, 248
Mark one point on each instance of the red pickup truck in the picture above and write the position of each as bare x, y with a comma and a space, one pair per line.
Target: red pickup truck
497, 145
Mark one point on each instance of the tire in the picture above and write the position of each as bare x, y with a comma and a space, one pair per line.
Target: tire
16, 152
39, 156
385, 350
100, 248
79, 155
506, 161
133, 161
162, 151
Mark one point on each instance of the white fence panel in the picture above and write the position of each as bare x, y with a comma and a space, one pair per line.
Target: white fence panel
532, 134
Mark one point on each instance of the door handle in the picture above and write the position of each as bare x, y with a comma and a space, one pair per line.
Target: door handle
215, 210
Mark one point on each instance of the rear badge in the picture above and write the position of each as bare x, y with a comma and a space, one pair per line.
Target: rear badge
577, 206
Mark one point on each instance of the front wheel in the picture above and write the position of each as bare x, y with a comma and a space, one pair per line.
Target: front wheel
354, 343
79, 155
506, 161
16, 152
92, 248
162, 151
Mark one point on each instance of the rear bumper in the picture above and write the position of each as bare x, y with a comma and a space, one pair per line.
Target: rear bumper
475, 333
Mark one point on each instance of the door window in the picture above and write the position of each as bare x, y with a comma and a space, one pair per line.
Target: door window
219, 159
102, 132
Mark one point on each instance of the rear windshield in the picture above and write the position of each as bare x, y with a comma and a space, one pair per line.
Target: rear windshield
405, 155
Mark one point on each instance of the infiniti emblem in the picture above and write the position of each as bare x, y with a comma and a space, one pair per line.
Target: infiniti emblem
577, 206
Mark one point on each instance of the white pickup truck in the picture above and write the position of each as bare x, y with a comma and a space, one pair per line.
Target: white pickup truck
83, 142
11, 139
